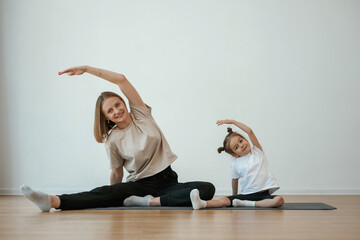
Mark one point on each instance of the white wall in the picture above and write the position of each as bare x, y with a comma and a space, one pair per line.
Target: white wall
288, 69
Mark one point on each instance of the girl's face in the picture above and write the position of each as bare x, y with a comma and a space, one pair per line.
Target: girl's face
240, 146
115, 110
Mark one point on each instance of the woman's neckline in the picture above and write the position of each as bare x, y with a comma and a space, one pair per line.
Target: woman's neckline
116, 128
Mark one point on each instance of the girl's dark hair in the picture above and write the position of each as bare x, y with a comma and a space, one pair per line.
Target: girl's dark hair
225, 146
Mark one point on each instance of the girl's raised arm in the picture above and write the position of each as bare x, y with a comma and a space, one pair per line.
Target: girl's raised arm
119, 79
243, 127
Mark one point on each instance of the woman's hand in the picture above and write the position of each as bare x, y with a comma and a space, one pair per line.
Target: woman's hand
116, 78
227, 121
74, 70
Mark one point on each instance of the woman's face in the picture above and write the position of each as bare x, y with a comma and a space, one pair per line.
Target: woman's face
115, 110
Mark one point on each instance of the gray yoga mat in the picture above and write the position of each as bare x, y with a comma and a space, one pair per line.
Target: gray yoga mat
286, 206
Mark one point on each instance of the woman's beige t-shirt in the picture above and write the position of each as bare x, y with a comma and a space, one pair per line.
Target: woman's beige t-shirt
141, 147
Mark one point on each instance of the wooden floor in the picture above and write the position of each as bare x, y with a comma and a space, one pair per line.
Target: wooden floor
20, 219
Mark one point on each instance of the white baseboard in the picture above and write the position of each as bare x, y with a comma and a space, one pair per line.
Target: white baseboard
14, 191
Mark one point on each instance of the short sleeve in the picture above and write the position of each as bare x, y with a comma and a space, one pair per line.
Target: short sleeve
234, 172
256, 149
113, 155
140, 112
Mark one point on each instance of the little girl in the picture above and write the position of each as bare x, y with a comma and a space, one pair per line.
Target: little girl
250, 165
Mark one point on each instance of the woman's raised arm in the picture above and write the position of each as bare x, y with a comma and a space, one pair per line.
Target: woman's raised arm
119, 79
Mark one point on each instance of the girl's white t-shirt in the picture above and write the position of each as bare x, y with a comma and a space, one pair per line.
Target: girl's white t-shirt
254, 173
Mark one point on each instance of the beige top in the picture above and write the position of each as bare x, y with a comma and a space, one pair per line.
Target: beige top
141, 147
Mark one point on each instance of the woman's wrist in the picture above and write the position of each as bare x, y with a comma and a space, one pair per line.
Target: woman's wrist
92, 70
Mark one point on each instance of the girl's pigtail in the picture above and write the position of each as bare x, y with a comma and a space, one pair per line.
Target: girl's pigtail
229, 130
220, 149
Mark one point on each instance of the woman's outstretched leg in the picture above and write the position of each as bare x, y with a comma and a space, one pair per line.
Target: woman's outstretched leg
138, 201
146, 201
106, 196
179, 195
101, 197
42, 200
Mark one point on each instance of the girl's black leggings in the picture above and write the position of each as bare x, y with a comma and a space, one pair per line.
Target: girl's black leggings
163, 184
258, 196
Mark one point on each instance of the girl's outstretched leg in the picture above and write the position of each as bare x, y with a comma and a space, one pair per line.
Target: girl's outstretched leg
243, 203
277, 201
197, 203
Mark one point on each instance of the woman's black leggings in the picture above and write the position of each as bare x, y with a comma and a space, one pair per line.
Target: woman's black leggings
164, 185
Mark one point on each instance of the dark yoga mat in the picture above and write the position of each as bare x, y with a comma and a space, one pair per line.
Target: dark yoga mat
286, 206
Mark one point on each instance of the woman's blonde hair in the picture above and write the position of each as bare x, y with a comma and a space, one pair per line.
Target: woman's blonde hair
101, 126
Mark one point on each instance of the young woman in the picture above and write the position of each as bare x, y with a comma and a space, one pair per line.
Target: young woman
133, 141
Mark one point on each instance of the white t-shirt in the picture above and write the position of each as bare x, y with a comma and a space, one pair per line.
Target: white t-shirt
253, 172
